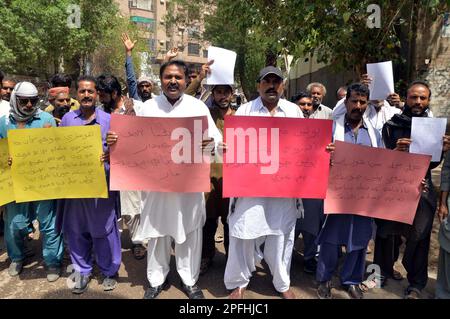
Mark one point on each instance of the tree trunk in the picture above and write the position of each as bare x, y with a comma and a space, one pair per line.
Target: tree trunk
412, 42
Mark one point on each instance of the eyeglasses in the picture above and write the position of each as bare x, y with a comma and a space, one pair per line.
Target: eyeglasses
25, 101
63, 100
305, 104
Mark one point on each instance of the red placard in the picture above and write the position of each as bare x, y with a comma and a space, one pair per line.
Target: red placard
375, 182
276, 157
147, 154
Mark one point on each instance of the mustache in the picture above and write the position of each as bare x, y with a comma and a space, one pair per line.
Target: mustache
87, 99
271, 91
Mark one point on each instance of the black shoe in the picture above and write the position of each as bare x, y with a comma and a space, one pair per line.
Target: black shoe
81, 284
354, 291
310, 266
412, 293
193, 292
153, 292
324, 290
205, 264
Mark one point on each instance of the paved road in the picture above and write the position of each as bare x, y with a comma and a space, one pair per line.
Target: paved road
32, 283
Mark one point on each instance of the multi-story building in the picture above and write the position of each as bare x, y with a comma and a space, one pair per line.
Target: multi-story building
160, 36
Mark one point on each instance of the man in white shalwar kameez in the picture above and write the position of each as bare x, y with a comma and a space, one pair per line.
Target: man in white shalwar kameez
253, 221
174, 216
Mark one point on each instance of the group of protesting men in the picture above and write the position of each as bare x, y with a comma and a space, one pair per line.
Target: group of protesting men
255, 228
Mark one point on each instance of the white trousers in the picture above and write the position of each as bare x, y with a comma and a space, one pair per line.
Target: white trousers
130, 202
187, 256
132, 223
243, 254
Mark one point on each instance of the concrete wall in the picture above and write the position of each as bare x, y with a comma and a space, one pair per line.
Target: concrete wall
305, 72
432, 45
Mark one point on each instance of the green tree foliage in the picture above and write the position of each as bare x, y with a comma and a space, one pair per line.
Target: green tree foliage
335, 31
36, 38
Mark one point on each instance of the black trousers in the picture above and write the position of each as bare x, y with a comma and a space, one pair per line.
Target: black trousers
209, 232
415, 258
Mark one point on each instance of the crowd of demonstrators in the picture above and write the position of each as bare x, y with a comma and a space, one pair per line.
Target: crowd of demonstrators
254, 228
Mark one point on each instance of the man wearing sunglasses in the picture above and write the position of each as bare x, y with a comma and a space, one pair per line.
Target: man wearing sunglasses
25, 113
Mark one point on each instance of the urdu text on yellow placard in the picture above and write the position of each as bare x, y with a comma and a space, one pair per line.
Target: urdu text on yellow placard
6, 183
60, 162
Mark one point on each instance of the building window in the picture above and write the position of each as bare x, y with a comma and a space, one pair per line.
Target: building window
194, 49
205, 53
193, 32
152, 45
146, 24
141, 4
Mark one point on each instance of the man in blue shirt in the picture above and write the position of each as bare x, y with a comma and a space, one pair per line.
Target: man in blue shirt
25, 113
351, 231
142, 89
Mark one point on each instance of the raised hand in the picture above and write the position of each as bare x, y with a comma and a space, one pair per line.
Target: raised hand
128, 43
205, 69
171, 54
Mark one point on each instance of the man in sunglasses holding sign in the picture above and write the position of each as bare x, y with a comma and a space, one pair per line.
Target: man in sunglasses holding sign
25, 113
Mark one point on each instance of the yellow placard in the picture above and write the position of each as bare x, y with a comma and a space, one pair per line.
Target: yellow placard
57, 162
6, 182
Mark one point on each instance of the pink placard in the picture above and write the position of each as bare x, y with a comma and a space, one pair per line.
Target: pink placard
148, 154
281, 157
375, 182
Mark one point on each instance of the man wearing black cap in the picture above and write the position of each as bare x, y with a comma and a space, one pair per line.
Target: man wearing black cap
254, 221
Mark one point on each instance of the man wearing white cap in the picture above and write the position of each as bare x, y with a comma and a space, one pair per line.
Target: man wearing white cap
254, 221
142, 89
25, 113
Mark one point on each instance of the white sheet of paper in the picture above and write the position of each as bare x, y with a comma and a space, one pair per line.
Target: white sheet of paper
427, 136
222, 70
382, 80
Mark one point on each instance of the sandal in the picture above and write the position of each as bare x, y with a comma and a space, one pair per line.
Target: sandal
412, 293
139, 251
396, 275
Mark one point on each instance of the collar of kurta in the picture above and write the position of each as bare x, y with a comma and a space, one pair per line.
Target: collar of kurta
260, 105
176, 103
319, 108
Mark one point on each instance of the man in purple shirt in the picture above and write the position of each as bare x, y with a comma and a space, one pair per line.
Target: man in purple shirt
91, 224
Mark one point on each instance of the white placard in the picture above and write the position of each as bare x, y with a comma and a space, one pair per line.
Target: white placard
427, 136
222, 70
382, 80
